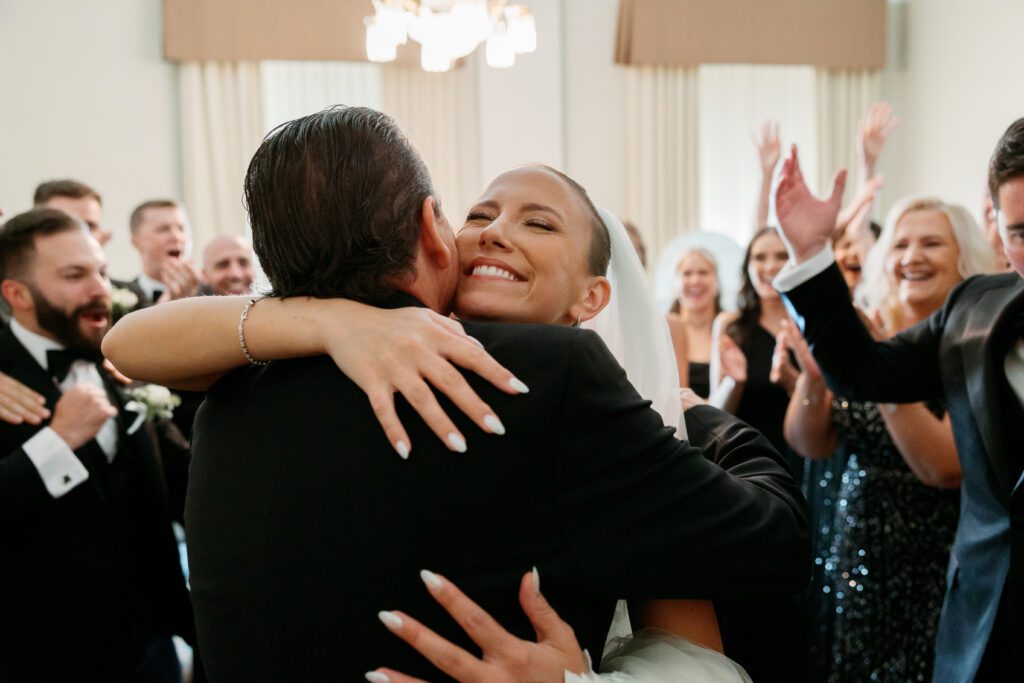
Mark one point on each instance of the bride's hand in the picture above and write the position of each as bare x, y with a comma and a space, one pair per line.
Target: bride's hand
402, 350
506, 659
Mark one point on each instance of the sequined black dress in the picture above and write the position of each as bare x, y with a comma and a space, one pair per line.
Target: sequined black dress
886, 568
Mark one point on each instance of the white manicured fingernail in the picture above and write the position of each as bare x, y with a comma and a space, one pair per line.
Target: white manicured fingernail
475, 341
377, 677
517, 385
431, 579
457, 442
494, 424
391, 620
536, 580
403, 449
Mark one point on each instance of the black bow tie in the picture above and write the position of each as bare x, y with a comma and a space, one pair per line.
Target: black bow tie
157, 293
59, 361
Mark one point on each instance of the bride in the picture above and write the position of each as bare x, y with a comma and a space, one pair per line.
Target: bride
191, 343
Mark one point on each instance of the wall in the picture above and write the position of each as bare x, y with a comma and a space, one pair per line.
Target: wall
86, 94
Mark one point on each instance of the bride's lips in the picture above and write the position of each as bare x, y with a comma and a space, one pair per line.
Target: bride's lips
493, 269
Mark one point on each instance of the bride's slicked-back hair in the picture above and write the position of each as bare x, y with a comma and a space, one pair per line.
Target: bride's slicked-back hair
334, 201
600, 254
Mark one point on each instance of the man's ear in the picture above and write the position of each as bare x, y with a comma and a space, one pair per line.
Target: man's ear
433, 244
16, 294
596, 297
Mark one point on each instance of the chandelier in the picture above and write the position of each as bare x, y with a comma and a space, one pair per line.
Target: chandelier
448, 30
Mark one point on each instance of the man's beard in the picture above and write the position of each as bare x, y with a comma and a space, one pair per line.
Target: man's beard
64, 326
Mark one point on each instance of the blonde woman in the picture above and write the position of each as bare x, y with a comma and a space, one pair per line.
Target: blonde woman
698, 302
882, 575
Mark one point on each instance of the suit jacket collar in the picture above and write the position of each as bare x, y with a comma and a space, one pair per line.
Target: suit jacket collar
16, 361
984, 358
36, 344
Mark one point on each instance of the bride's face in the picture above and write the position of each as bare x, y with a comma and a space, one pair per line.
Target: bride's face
523, 252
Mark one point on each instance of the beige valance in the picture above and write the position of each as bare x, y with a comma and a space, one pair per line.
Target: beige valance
257, 30
845, 34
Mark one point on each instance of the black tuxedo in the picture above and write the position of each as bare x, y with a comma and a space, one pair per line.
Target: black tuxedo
91, 578
956, 356
303, 523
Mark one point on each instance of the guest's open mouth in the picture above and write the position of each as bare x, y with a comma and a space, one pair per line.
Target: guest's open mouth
95, 318
490, 269
174, 253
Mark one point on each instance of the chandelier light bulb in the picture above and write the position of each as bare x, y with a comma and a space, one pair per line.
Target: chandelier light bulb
448, 30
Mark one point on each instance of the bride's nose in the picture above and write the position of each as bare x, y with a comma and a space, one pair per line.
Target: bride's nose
494, 236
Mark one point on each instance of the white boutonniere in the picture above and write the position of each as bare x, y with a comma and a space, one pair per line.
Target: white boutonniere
123, 301
150, 401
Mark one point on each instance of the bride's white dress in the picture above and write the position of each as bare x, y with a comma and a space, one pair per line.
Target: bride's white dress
648, 357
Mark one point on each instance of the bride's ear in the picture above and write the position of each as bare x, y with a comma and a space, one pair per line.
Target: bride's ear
596, 297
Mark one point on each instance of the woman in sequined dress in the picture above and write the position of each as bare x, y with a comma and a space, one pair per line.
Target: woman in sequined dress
882, 572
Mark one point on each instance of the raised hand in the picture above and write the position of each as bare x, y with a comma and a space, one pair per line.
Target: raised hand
769, 149
506, 658
872, 133
798, 345
854, 216
807, 222
20, 404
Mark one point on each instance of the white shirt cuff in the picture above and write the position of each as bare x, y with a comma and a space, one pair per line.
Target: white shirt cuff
791, 276
59, 468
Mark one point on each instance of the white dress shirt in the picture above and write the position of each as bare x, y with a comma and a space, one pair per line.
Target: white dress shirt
57, 464
150, 286
793, 275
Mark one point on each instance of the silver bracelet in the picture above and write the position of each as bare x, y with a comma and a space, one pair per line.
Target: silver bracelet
241, 335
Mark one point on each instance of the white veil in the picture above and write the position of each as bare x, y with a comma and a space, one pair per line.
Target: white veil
636, 332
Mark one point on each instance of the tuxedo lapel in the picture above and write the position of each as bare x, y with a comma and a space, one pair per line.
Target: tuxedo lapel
18, 363
985, 351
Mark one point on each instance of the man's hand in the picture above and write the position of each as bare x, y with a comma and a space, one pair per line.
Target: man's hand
80, 414
20, 404
181, 278
807, 222
506, 659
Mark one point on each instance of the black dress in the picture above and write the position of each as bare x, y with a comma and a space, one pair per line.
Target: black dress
700, 378
886, 570
767, 637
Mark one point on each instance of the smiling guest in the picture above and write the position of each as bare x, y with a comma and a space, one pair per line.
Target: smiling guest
161, 235
698, 302
228, 265
92, 579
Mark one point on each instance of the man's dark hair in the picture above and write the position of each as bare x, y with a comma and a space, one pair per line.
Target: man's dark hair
600, 254
64, 188
334, 201
18, 236
1007, 160
139, 212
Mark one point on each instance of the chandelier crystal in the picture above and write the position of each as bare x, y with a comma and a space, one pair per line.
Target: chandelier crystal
448, 30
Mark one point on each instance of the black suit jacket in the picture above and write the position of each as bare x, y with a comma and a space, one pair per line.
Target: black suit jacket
89, 578
303, 523
955, 356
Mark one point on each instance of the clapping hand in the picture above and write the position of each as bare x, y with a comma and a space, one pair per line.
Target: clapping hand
20, 404
181, 278
807, 222
734, 363
506, 658
783, 372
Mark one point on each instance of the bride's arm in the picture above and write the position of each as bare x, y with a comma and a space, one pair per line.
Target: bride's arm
189, 344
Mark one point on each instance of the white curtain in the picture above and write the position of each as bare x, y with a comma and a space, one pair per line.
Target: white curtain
221, 127
438, 112
734, 99
661, 153
843, 98
294, 89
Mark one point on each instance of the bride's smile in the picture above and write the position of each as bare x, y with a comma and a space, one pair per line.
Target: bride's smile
526, 252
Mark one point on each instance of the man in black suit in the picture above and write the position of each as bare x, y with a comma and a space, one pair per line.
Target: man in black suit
91, 582
303, 524
970, 355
